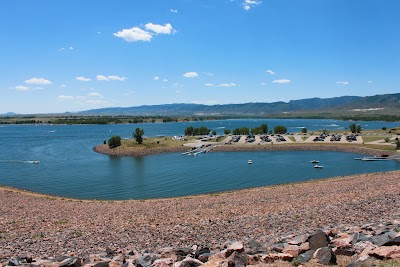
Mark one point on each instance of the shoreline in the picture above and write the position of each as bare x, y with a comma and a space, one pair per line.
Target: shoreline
104, 149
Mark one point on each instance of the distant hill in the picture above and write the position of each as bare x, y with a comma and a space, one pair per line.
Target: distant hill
343, 103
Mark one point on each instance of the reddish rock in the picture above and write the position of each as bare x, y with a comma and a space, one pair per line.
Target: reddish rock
114, 264
298, 240
271, 257
295, 250
387, 252
318, 240
165, 262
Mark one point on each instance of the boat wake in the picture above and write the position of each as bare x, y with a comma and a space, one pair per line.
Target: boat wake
21, 161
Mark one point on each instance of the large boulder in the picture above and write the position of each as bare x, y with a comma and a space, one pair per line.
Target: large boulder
318, 240
325, 256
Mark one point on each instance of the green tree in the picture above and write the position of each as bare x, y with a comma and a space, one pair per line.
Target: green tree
358, 128
114, 141
189, 131
214, 132
398, 144
280, 129
353, 127
227, 131
264, 128
138, 135
304, 130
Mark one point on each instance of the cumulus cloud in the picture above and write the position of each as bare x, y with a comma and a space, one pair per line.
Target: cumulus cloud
156, 78
270, 72
227, 85
110, 78
173, 10
248, 4
65, 97
343, 83
165, 80
21, 88
281, 81
160, 29
82, 79
38, 81
209, 84
191, 74
134, 34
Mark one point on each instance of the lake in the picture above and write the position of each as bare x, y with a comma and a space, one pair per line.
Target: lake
69, 167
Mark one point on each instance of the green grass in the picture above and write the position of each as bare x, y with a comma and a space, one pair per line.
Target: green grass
291, 138
368, 139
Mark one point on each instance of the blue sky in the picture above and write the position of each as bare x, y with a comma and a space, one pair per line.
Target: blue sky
59, 56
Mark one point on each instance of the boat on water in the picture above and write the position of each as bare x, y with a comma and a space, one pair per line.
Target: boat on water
374, 159
250, 161
315, 161
318, 166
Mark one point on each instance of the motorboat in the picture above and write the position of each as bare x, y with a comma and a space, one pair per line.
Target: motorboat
318, 166
315, 161
249, 161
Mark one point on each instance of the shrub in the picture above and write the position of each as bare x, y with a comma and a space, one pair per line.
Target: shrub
304, 130
138, 135
114, 141
280, 129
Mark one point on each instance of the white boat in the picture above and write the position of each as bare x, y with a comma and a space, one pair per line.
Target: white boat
318, 166
315, 161
249, 161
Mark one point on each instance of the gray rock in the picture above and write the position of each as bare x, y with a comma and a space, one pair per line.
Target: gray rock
306, 256
393, 242
318, 240
14, 262
237, 259
146, 260
379, 240
71, 262
201, 251
325, 256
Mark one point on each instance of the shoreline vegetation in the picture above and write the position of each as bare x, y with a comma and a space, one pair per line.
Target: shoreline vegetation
126, 119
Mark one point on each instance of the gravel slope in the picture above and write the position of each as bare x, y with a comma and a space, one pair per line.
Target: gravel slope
49, 226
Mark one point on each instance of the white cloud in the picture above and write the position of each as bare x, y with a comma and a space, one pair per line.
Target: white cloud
343, 83
38, 81
95, 95
37, 88
82, 79
281, 81
209, 84
270, 72
117, 78
248, 4
227, 85
209, 73
173, 10
65, 97
134, 34
160, 29
156, 78
263, 83
165, 80
110, 78
191, 74
370, 81
21, 88
97, 102
62, 86
102, 78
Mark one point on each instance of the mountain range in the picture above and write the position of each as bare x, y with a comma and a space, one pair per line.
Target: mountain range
383, 103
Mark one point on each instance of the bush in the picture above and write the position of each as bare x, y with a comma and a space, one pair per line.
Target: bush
105, 142
114, 141
304, 130
226, 131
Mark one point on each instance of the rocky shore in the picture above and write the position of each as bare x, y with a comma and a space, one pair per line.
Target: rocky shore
104, 149
345, 220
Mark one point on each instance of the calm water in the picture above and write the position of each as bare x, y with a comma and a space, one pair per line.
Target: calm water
70, 168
